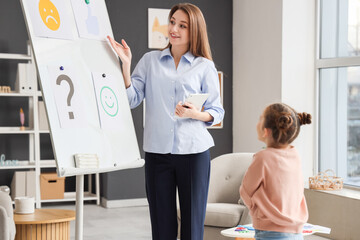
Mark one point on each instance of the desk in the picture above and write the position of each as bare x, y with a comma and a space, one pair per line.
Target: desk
44, 224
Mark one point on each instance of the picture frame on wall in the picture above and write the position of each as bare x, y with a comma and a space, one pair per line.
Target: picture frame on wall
158, 28
221, 84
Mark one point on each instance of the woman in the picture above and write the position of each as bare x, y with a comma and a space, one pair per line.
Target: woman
176, 141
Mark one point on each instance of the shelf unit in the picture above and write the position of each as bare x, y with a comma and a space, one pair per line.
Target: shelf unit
35, 162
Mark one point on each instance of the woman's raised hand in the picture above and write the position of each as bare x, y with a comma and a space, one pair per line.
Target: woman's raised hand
122, 50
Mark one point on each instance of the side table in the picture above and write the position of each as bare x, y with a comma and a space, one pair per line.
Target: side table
44, 224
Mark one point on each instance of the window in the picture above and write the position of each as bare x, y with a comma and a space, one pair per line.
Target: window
338, 68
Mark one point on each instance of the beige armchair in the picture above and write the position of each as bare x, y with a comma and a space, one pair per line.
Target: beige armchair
7, 225
223, 208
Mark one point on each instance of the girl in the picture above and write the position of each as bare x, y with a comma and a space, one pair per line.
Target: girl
176, 149
272, 187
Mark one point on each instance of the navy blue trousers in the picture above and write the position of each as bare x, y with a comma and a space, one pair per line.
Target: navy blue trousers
190, 174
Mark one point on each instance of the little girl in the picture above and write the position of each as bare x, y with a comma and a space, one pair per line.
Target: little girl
272, 187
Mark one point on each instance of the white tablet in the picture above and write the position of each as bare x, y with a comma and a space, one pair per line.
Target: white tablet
197, 99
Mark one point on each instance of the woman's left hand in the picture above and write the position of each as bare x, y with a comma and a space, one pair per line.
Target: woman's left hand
186, 110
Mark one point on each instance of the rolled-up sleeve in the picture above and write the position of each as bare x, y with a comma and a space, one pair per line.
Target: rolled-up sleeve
213, 104
136, 91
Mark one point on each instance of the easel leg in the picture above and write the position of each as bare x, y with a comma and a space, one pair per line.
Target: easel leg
79, 228
97, 185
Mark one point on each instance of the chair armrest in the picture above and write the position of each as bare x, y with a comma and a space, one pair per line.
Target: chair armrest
5, 202
4, 224
245, 217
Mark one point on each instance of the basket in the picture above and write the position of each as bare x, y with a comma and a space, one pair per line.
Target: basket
324, 181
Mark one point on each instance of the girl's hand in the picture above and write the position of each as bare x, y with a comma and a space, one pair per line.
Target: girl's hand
122, 50
186, 110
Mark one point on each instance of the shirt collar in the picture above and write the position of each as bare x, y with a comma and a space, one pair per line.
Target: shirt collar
165, 52
188, 55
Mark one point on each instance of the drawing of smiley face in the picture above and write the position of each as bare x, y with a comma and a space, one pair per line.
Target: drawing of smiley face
49, 14
109, 101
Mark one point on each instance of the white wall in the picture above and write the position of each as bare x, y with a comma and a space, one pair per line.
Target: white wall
256, 66
298, 72
274, 55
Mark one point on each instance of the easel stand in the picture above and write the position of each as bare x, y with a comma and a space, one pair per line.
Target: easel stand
79, 223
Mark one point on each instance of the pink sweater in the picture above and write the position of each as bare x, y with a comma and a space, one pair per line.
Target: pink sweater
273, 190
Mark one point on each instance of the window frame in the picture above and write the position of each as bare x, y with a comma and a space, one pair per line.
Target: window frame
324, 63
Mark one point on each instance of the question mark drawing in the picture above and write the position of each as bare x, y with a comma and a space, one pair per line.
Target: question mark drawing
64, 77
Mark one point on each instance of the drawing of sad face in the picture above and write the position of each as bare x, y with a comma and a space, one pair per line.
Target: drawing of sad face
49, 14
109, 101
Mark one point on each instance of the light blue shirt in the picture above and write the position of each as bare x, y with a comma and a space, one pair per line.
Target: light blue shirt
156, 79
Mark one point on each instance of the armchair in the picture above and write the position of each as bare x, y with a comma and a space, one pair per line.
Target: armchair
7, 225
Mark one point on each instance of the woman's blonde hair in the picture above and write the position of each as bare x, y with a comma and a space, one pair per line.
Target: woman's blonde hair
199, 41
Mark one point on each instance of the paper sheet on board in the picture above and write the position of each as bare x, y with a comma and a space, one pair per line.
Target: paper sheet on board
50, 18
107, 92
90, 20
68, 96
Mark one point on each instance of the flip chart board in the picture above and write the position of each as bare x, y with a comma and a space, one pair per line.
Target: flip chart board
82, 85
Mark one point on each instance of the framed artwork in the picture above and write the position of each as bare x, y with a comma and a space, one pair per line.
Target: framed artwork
158, 28
221, 84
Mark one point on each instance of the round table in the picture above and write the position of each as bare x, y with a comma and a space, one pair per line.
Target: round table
44, 224
230, 232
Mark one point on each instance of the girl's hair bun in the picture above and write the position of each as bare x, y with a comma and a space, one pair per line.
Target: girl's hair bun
284, 121
305, 118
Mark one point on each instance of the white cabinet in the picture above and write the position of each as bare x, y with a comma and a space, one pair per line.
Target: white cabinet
34, 161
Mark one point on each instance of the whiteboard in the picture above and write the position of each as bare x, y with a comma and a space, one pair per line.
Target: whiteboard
69, 64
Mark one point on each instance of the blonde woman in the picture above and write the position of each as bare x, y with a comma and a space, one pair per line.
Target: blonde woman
176, 141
